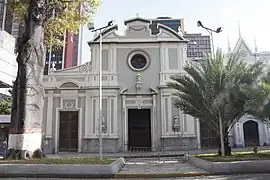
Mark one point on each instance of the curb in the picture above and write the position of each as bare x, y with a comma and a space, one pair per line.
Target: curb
153, 156
105, 176
62, 170
160, 175
66, 176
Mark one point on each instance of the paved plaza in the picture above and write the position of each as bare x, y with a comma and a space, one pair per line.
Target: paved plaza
159, 166
150, 166
127, 154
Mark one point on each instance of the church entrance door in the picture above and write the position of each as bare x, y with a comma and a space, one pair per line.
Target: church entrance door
139, 129
68, 131
251, 133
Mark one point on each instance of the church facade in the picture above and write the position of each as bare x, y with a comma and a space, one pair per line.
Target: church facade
137, 106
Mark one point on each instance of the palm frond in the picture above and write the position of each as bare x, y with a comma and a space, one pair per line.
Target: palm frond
219, 87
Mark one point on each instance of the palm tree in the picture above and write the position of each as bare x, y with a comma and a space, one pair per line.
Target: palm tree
217, 92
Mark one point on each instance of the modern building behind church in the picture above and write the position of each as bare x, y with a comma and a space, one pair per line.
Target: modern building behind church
198, 46
8, 71
138, 107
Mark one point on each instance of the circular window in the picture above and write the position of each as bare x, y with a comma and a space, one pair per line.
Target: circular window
138, 61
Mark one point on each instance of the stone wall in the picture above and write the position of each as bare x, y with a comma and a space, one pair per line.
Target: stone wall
92, 145
179, 143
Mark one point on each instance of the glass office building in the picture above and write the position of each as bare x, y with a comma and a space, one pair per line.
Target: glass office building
199, 45
175, 24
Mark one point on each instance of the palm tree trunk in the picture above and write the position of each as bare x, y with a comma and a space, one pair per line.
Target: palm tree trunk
221, 135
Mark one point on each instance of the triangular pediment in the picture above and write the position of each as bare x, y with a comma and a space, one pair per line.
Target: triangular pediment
138, 30
166, 32
165, 35
110, 31
110, 36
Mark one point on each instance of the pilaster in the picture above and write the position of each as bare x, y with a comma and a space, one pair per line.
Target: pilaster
87, 126
49, 120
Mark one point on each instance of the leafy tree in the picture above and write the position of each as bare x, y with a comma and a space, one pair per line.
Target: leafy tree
261, 108
61, 16
217, 92
5, 106
45, 22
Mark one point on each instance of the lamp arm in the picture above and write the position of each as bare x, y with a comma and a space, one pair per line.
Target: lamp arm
210, 30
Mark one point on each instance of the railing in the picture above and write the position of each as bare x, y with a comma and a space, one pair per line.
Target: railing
179, 151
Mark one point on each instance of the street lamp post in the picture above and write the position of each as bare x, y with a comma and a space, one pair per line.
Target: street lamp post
50, 50
4, 15
218, 30
110, 23
210, 31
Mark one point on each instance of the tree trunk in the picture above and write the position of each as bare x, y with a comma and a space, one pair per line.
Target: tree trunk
28, 92
227, 148
221, 135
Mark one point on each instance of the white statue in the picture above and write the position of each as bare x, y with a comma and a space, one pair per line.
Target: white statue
53, 66
176, 125
138, 81
180, 31
139, 78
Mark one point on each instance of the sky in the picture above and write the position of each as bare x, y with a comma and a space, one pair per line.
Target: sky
251, 16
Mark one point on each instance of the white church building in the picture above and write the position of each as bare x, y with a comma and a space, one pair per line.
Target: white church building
137, 106
249, 131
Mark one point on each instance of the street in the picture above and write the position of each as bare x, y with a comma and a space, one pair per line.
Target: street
225, 177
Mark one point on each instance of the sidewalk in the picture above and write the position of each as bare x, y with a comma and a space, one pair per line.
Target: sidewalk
165, 168
148, 165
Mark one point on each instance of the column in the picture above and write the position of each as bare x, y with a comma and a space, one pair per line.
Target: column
170, 118
265, 133
88, 111
94, 115
125, 124
198, 133
153, 125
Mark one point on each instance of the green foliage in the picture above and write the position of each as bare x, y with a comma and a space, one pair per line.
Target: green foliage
261, 107
5, 106
218, 88
69, 15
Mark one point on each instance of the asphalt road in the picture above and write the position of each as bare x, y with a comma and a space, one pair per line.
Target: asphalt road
233, 177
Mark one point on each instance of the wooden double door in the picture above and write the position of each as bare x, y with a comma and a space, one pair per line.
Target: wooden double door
139, 129
68, 131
